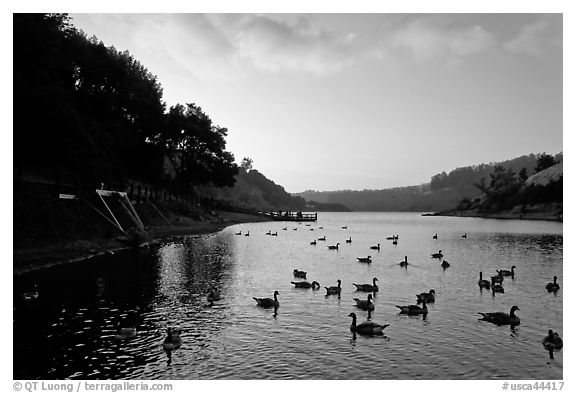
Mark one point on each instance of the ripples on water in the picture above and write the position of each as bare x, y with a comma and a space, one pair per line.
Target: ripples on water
69, 331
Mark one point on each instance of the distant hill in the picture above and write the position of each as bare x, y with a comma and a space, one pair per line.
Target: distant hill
444, 191
253, 190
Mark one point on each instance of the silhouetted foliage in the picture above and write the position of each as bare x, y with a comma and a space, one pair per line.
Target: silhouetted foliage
98, 112
544, 161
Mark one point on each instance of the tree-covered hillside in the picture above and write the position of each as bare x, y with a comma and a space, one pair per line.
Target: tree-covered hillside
444, 191
253, 190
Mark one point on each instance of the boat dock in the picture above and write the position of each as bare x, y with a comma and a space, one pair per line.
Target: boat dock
292, 216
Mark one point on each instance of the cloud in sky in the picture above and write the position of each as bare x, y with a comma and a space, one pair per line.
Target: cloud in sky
224, 47
292, 45
532, 39
426, 41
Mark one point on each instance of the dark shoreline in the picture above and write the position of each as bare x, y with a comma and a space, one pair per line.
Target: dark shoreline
29, 260
500, 215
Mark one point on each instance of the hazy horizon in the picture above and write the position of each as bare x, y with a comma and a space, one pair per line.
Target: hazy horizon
331, 102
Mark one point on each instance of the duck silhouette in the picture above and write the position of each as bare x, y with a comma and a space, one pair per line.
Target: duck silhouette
266, 302
496, 287
306, 284
334, 290
299, 273
483, 283
501, 318
553, 286
404, 263
367, 287
414, 309
367, 328
124, 332
172, 341
429, 297
365, 304
507, 272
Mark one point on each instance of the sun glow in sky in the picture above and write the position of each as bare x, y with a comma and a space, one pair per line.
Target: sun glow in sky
357, 101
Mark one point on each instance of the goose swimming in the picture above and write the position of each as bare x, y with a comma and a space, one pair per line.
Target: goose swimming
498, 278
367, 287
483, 283
124, 333
404, 263
496, 287
334, 290
313, 242
553, 286
435, 236
306, 284
349, 240
375, 247
445, 264
173, 340
429, 297
413, 309
334, 247
437, 255
365, 304
323, 238
501, 318
299, 273
266, 302
507, 272
366, 328
552, 341
368, 259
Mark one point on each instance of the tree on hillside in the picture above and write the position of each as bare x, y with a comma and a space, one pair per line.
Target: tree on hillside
544, 161
196, 148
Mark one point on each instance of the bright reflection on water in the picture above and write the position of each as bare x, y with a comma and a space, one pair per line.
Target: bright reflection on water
69, 331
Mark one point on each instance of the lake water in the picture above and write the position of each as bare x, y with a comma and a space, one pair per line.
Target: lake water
68, 332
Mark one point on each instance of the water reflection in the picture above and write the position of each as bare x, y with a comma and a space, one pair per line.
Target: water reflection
70, 331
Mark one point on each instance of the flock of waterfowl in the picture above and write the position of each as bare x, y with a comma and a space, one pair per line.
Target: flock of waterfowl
173, 340
551, 342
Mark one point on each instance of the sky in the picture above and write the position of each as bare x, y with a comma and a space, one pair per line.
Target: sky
357, 101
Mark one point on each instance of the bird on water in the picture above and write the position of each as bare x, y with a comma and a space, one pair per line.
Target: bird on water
367, 328
367, 287
334, 290
414, 309
501, 318
365, 304
553, 286
266, 302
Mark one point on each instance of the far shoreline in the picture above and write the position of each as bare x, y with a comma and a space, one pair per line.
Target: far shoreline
536, 216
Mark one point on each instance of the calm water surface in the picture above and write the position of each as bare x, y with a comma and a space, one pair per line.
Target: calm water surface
69, 331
